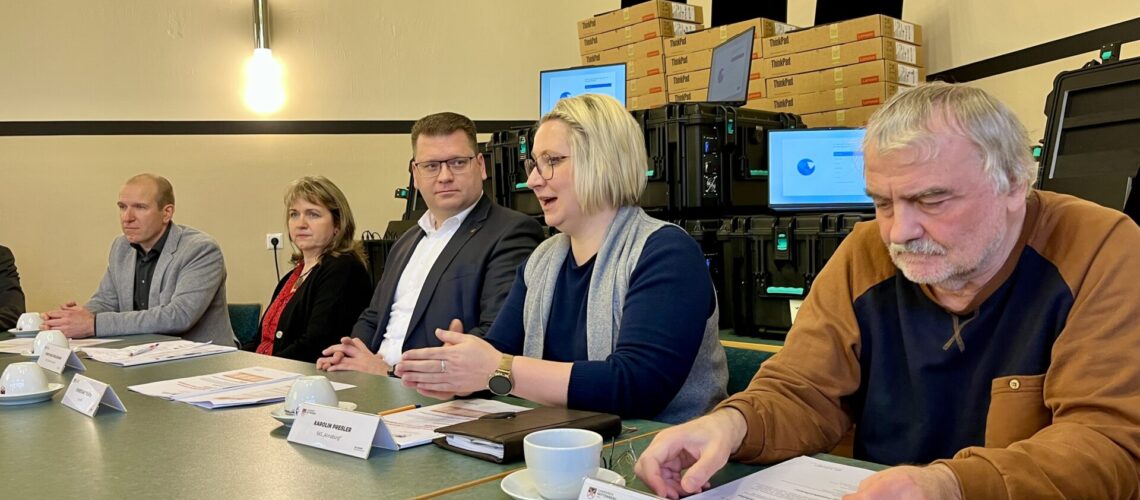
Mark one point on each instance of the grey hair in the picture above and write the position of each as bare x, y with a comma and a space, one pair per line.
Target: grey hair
907, 120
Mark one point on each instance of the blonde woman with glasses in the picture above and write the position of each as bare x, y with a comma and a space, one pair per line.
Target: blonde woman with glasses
616, 313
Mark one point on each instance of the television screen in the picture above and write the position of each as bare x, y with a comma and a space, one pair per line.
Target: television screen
731, 62
561, 83
816, 169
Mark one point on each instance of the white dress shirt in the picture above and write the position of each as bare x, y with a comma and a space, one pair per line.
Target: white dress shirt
413, 278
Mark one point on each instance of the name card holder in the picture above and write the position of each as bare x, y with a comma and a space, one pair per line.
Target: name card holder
341, 431
85, 395
55, 358
593, 489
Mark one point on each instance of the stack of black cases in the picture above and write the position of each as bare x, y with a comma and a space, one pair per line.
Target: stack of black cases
708, 173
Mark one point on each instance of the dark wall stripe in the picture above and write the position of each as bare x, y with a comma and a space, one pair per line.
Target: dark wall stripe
1082, 43
253, 127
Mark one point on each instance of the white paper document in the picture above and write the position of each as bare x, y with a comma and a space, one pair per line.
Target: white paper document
155, 352
416, 427
19, 346
801, 478
246, 386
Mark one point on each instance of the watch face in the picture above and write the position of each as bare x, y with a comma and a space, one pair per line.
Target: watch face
500, 385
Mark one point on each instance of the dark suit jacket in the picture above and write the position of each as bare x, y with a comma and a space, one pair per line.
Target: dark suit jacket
323, 310
11, 296
468, 281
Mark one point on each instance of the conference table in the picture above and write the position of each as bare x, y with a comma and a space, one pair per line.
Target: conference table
169, 449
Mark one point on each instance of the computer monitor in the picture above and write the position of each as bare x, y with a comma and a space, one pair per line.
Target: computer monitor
557, 84
731, 63
816, 169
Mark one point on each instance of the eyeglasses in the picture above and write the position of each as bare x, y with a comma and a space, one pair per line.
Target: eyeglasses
545, 165
626, 458
457, 165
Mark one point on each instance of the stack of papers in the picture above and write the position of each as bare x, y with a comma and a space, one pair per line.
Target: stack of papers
416, 427
248, 386
20, 346
801, 478
155, 352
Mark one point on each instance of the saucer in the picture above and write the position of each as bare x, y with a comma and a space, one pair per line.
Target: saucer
280, 415
519, 485
29, 354
35, 397
23, 334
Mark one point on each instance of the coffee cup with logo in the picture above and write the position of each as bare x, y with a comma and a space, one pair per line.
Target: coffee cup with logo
560, 460
46, 338
22, 378
313, 389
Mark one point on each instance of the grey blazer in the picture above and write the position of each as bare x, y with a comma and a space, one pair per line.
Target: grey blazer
187, 293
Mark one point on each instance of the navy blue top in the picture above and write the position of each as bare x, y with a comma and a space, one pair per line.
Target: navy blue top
923, 398
670, 297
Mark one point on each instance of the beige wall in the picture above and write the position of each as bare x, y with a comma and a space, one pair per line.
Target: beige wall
344, 60
182, 60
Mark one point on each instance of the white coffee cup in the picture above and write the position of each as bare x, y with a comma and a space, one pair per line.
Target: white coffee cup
29, 322
22, 378
49, 337
560, 460
312, 389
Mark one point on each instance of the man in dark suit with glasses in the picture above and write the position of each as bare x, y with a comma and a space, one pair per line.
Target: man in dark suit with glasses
457, 263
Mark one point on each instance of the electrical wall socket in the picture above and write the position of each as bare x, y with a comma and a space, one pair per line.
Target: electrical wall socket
269, 240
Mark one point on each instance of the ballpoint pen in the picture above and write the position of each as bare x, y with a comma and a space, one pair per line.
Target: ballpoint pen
141, 350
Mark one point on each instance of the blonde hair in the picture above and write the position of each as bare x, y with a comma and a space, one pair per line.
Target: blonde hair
608, 149
321, 191
907, 120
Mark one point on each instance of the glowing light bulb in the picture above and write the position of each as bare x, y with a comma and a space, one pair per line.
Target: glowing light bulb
263, 90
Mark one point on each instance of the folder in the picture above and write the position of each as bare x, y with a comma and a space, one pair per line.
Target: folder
498, 437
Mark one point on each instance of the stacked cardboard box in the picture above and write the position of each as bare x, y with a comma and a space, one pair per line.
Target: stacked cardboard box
838, 74
688, 58
633, 36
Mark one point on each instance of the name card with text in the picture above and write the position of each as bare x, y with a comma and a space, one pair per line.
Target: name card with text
85, 395
341, 431
55, 358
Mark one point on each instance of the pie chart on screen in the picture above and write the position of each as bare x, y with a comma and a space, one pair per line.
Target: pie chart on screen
806, 166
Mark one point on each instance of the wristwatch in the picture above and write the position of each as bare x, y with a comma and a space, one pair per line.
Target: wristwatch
501, 383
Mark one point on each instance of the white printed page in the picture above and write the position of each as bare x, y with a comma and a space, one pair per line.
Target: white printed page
19, 346
801, 478
155, 352
189, 387
249, 395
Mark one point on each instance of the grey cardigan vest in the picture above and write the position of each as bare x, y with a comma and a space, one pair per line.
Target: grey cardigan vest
613, 266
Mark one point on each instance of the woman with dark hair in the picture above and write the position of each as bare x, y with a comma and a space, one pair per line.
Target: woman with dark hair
317, 302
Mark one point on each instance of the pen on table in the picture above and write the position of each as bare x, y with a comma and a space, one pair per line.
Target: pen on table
398, 410
143, 350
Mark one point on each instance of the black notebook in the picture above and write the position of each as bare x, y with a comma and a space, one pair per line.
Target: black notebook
498, 437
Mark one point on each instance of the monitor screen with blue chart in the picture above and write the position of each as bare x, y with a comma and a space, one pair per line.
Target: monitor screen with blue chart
816, 169
562, 83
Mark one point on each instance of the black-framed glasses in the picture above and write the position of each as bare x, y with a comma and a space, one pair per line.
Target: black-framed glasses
621, 458
431, 168
545, 165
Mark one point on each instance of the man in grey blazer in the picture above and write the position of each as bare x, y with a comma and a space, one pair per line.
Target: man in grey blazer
161, 277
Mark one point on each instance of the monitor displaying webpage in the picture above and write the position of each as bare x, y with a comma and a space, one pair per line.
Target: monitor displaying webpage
560, 84
816, 169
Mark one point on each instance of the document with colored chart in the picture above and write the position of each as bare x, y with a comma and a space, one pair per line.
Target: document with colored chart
247, 386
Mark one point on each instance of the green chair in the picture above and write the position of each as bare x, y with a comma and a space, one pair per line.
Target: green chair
743, 364
245, 319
